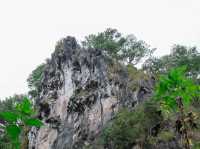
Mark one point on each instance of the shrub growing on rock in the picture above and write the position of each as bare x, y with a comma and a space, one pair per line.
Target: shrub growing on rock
131, 127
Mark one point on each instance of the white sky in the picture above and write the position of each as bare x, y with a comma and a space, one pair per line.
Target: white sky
29, 29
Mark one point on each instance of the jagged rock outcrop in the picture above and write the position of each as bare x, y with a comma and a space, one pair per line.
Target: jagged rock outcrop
82, 89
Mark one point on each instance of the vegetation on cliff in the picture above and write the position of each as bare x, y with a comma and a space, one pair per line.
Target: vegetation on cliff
168, 119
15, 123
126, 48
154, 120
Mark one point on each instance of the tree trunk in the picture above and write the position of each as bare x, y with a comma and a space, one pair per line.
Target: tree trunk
184, 133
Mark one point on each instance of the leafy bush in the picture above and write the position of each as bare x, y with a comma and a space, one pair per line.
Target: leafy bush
173, 85
16, 121
175, 92
135, 77
131, 127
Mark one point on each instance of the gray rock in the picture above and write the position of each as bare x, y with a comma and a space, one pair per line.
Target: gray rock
79, 95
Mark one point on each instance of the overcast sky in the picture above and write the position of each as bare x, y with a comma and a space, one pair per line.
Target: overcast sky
29, 29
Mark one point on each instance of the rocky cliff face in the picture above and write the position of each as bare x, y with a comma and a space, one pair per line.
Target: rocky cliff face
82, 89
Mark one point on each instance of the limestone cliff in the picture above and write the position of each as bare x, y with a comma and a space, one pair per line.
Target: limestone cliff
82, 89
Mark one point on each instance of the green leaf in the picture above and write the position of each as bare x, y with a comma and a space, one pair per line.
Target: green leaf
13, 132
9, 116
33, 122
25, 106
175, 84
170, 102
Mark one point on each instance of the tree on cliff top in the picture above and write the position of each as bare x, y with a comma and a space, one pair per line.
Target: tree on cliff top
125, 48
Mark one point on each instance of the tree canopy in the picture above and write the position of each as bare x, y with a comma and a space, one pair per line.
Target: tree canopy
126, 48
34, 80
179, 56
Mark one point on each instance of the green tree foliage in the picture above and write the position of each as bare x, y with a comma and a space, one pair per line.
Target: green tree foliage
16, 120
34, 80
175, 84
7, 103
132, 127
134, 50
175, 92
109, 40
179, 56
126, 48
